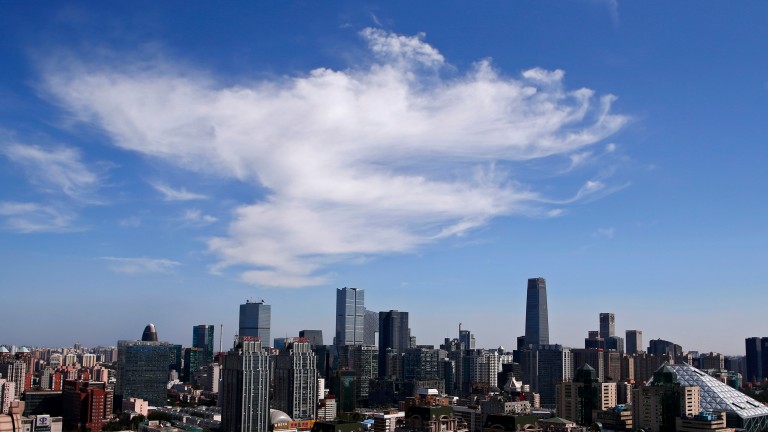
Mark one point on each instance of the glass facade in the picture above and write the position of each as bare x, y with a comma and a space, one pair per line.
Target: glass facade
742, 411
143, 368
536, 313
350, 316
255, 321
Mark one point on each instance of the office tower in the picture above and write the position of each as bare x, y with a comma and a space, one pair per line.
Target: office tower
202, 338
194, 359
756, 358
657, 405
421, 364
343, 385
467, 338
394, 337
660, 347
86, 405
371, 327
712, 361
578, 398
554, 364
607, 325
536, 314
315, 337
614, 343
364, 361
143, 368
455, 354
15, 371
593, 357
634, 341
244, 388
296, 381
255, 321
150, 333
350, 316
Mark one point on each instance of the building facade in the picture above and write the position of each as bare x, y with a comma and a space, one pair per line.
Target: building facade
350, 316
244, 393
202, 338
296, 381
255, 321
536, 313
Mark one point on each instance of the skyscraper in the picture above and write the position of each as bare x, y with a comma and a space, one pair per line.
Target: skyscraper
296, 381
607, 325
350, 316
634, 341
394, 335
244, 388
536, 314
202, 337
143, 369
757, 358
150, 334
255, 319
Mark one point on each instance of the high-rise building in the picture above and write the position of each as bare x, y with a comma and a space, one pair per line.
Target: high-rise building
607, 325
467, 338
15, 371
394, 336
634, 341
660, 347
555, 364
577, 399
350, 316
371, 327
255, 321
315, 337
364, 361
536, 313
86, 405
244, 388
296, 381
202, 337
143, 369
756, 358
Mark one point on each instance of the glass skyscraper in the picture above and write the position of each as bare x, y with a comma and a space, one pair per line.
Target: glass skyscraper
394, 335
255, 321
143, 369
202, 337
536, 313
350, 316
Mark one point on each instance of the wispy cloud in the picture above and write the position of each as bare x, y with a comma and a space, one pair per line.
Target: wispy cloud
375, 159
56, 169
605, 233
197, 218
171, 194
25, 217
141, 265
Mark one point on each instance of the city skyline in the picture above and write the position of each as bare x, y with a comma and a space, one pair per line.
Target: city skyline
165, 163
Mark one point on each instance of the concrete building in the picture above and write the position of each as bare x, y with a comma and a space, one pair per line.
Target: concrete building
657, 405
244, 393
86, 405
295, 382
15, 371
577, 399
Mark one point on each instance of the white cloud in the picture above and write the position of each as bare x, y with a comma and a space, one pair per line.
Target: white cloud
55, 169
171, 194
27, 217
141, 265
197, 218
605, 233
375, 159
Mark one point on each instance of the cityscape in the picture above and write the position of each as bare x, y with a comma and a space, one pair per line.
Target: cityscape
374, 375
503, 216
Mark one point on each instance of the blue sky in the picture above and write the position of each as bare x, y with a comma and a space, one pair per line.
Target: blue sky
164, 162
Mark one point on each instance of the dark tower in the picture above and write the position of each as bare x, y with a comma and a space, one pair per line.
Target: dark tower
607, 325
202, 337
536, 314
150, 334
394, 334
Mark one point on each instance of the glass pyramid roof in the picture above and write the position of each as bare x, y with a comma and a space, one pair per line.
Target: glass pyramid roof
717, 396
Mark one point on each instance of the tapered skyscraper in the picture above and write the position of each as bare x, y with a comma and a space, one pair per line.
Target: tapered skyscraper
536, 314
